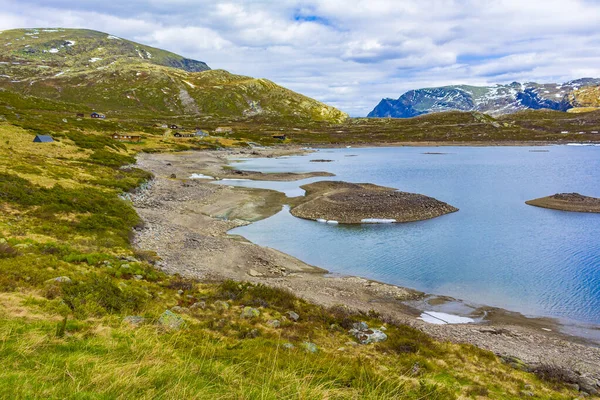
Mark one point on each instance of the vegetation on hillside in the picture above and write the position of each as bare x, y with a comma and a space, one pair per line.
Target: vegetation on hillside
85, 315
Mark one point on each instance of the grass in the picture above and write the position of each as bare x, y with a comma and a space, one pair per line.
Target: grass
69, 278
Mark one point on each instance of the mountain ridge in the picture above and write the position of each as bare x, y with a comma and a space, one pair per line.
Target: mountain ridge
112, 75
493, 100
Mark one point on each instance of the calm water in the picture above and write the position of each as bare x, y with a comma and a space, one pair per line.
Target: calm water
495, 251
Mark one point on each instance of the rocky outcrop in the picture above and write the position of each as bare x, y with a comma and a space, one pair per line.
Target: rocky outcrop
350, 203
568, 202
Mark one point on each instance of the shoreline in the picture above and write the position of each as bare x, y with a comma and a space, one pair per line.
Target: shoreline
187, 221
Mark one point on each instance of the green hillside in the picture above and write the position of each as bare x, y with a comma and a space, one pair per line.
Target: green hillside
113, 75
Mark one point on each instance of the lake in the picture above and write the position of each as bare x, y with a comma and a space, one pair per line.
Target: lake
495, 251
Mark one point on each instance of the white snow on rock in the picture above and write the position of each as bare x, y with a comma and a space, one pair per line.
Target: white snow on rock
113, 37
94, 59
321, 220
440, 318
377, 221
70, 42
59, 74
332, 222
53, 51
201, 176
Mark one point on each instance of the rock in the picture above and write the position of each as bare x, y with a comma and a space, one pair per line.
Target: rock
288, 346
125, 266
138, 277
173, 176
572, 386
181, 310
293, 316
197, 305
221, 305
250, 312
526, 393
61, 279
170, 320
310, 347
255, 273
134, 320
180, 292
587, 385
361, 331
274, 323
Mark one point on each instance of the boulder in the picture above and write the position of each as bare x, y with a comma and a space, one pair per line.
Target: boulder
274, 323
221, 305
366, 335
310, 347
170, 320
293, 316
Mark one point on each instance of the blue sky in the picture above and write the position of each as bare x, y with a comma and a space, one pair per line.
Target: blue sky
350, 54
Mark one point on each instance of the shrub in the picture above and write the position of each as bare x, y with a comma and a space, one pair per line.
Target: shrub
7, 251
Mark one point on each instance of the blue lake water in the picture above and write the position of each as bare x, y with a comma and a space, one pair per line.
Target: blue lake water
496, 250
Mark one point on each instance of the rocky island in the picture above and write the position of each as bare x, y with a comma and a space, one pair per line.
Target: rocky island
351, 203
568, 202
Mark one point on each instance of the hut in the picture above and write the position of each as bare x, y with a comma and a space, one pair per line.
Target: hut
97, 115
173, 126
183, 135
80, 115
279, 136
43, 139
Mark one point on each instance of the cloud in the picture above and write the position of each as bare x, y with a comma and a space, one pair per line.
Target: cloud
350, 55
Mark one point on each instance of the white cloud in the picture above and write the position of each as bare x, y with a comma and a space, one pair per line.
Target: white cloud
350, 54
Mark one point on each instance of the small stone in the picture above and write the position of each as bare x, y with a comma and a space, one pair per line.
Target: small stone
249, 312
125, 266
310, 347
170, 320
288, 346
361, 326
254, 273
138, 277
528, 387
293, 316
62, 279
274, 323
173, 176
527, 393
180, 292
134, 320
197, 305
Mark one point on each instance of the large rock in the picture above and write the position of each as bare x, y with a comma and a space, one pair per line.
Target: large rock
366, 335
250, 312
171, 321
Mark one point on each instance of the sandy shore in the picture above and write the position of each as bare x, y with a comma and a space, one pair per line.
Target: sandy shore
187, 220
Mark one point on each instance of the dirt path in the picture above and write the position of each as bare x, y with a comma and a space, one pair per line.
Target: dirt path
187, 220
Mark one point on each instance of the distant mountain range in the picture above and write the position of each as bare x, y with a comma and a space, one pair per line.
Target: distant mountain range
112, 75
494, 100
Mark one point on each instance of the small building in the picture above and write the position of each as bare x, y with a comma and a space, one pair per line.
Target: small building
173, 126
279, 136
43, 139
80, 115
224, 129
594, 132
564, 132
183, 135
126, 138
97, 115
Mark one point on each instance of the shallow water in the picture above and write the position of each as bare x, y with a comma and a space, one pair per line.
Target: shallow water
495, 251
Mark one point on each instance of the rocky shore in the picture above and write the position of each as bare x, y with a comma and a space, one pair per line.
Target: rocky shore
186, 223
356, 203
568, 202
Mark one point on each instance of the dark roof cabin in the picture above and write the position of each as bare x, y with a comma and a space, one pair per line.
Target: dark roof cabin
96, 115
43, 139
282, 137
173, 126
183, 135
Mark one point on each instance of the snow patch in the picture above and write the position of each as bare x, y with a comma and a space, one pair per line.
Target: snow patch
201, 176
332, 222
53, 51
59, 74
235, 179
94, 59
70, 42
190, 84
440, 318
377, 220
111, 37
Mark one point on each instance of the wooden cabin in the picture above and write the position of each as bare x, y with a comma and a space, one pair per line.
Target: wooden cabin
97, 115
279, 136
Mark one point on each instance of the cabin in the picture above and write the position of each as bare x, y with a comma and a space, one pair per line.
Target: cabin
43, 139
594, 132
96, 115
173, 126
224, 129
126, 138
183, 135
279, 136
80, 115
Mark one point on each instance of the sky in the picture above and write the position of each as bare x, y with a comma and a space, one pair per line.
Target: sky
350, 54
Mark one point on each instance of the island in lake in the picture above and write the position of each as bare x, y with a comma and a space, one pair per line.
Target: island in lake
356, 203
568, 202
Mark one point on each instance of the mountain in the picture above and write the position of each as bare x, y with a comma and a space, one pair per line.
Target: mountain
114, 75
494, 100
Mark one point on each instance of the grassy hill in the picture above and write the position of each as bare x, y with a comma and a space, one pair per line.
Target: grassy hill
113, 75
